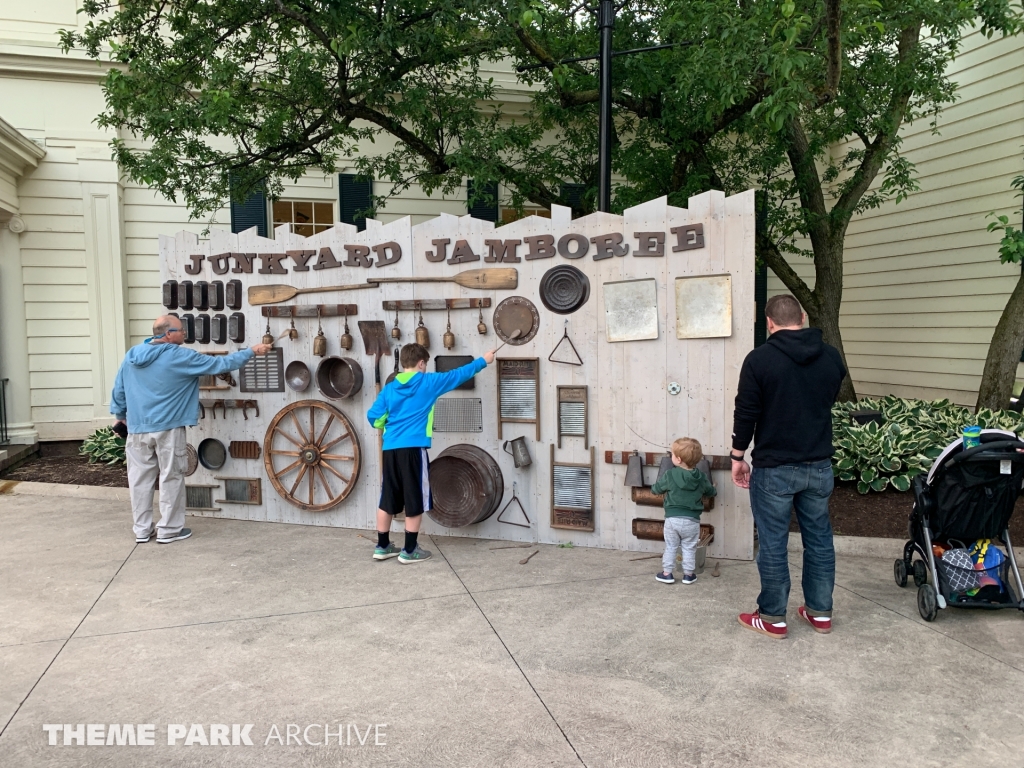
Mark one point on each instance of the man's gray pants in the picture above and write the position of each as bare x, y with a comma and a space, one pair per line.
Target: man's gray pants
681, 532
153, 455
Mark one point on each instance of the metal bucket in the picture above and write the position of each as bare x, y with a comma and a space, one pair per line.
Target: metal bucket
520, 452
339, 377
466, 486
297, 376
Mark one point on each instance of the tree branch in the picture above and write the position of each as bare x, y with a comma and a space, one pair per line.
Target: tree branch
808, 183
770, 255
834, 52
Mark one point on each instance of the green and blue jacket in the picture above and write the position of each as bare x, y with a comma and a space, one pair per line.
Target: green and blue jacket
404, 409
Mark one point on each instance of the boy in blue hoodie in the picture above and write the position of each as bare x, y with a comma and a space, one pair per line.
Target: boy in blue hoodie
405, 411
157, 392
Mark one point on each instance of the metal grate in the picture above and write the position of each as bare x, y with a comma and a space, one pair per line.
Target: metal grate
264, 373
459, 414
241, 490
572, 487
518, 399
199, 496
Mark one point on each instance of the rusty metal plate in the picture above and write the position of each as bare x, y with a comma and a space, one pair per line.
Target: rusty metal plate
703, 307
631, 310
516, 313
244, 449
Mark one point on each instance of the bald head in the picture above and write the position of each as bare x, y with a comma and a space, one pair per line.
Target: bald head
169, 329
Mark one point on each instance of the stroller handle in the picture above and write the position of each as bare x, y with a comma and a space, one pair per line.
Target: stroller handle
991, 450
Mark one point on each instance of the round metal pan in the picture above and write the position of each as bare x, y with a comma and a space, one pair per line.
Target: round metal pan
297, 376
193, 459
339, 377
212, 453
564, 289
516, 313
466, 486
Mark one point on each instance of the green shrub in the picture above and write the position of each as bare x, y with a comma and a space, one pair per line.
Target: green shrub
103, 445
911, 437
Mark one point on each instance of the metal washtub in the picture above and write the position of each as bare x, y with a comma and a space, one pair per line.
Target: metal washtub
466, 485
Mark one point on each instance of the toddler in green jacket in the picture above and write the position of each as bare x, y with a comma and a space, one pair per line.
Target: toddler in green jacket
685, 488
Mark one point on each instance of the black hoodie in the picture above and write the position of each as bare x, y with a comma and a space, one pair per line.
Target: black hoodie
784, 399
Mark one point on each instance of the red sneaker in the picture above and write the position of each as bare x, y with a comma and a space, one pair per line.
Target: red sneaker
822, 624
753, 621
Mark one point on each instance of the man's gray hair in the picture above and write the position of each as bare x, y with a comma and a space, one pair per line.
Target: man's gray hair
161, 324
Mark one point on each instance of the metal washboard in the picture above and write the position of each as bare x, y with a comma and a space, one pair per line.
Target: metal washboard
519, 392
241, 490
572, 413
200, 497
572, 494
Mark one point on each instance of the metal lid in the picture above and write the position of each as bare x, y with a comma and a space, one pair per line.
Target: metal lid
564, 289
516, 313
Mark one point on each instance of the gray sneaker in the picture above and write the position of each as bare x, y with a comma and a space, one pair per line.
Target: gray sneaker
147, 537
386, 553
418, 555
184, 533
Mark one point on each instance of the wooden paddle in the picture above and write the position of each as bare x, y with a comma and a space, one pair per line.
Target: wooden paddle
485, 279
275, 294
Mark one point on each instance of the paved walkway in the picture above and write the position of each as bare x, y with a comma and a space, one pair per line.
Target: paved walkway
577, 658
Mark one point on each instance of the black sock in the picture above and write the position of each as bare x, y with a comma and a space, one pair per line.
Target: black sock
383, 539
410, 541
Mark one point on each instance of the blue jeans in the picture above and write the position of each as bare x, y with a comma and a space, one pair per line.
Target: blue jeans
774, 492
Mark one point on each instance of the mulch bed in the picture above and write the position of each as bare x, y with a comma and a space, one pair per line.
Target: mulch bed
874, 514
70, 470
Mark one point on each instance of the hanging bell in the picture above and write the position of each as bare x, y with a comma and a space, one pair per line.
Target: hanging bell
635, 471
346, 337
320, 342
665, 466
293, 332
422, 335
481, 327
449, 338
268, 337
396, 332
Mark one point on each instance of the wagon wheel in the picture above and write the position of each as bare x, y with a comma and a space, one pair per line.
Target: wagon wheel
311, 453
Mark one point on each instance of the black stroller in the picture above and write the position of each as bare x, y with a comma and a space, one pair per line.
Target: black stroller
966, 498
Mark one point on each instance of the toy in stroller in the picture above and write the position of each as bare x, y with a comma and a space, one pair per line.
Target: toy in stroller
960, 508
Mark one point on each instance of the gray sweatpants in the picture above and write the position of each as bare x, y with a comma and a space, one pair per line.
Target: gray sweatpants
681, 532
152, 455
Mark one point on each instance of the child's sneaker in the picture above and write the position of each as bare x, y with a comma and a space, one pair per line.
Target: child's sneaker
688, 578
386, 553
822, 624
416, 556
665, 578
753, 621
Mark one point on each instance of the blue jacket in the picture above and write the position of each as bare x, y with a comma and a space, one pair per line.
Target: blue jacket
405, 408
157, 385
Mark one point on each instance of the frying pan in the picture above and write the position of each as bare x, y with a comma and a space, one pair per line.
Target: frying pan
212, 453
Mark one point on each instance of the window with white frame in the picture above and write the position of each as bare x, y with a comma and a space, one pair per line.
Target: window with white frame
306, 217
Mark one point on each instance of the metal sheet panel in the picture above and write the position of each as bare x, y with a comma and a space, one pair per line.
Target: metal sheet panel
459, 414
703, 307
631, 310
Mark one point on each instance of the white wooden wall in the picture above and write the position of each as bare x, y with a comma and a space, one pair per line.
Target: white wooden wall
627, 381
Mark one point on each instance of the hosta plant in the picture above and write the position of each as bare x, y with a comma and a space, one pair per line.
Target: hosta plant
104, 446
911, 437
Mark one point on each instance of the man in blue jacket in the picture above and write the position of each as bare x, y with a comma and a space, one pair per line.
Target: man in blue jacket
405, 411
157, 391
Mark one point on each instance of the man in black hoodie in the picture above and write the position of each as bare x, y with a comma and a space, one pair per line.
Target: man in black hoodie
784, 402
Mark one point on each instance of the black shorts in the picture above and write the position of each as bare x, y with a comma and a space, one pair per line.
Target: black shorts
406, 483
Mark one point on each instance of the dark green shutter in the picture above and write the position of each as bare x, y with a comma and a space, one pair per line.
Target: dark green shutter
354, 199
250, 213
485, 207
760, 273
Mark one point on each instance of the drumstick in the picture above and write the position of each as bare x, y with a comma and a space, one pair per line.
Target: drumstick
512, 337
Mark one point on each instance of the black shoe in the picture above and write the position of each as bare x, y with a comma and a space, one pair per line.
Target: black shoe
184, 533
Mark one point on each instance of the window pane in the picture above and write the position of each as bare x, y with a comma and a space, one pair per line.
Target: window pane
282, 212
303, 229
303, 213
322, 227
323, 213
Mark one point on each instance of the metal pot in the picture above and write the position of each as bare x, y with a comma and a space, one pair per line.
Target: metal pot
564, 289
339, 377
212, 453
466, 485
297, 375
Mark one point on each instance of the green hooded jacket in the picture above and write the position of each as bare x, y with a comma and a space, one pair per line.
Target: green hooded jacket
684, 490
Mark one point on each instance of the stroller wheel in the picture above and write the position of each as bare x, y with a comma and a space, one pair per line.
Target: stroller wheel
920, 573
899, 572
927, 605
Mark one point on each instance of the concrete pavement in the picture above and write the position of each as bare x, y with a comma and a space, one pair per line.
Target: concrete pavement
577, 658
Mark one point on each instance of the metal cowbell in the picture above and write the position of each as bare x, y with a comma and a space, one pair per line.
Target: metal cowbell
449, 338
665, 466
268, 337
346, 337
635, 471
422, 335
320, 342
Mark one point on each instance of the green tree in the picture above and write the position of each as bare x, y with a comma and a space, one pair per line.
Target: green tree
1004, 350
